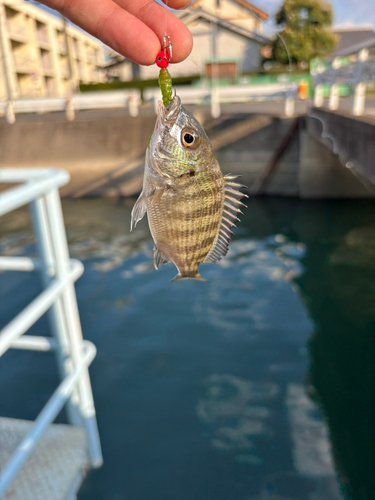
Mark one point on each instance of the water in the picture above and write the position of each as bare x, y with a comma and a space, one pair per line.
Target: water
258, 385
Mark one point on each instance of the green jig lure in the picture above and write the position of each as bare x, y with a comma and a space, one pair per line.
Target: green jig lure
165, 84
165, 80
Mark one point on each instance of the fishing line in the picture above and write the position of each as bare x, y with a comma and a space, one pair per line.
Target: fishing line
165, 18
281, 38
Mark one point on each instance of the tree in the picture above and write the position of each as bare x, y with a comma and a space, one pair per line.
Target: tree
306, 31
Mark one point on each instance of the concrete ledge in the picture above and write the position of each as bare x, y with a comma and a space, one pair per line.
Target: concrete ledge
322, 175
353, 139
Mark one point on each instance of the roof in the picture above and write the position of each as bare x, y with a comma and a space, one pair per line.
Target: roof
352, 40
250, 6
189, 15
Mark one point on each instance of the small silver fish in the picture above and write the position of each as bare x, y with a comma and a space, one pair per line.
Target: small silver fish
191, 206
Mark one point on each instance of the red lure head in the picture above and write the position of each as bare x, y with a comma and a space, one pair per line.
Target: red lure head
162, 59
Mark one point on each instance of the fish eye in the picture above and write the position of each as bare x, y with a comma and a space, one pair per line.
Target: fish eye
190, 139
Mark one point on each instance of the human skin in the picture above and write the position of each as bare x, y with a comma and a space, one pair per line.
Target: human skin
134, 28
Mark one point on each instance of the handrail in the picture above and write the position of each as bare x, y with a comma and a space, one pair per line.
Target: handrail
45, 417
20, 196
26, 318
59, 272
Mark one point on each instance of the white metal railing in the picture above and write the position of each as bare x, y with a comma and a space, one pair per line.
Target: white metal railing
87, 100
231, 94
340, 71
40, 189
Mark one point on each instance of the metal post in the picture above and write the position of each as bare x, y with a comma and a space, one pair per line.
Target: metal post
60, 247
215, 96
318, 96
289, 105
359, 99
334, 97
56, 314
69, 106
133, 104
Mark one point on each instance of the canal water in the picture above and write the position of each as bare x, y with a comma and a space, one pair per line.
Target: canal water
257, 385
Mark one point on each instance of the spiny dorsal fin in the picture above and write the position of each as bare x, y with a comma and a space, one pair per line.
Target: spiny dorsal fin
138, 212
158, 258
232, 201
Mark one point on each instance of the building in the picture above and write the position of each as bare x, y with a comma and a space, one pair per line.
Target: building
230, 32
352, 40
40, 56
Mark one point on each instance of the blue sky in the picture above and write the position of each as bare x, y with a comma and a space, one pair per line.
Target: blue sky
347, 12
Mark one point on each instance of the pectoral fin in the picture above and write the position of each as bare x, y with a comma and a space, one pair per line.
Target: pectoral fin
157, 194
138, 212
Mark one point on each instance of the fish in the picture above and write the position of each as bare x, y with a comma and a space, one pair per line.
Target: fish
191, 206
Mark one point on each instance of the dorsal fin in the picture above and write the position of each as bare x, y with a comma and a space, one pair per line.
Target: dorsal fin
159, 258
232, 202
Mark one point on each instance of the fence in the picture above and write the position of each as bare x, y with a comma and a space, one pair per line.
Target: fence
85, 101
40, 189
231, 94
343, 70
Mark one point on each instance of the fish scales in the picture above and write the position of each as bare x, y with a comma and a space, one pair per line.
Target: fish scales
190, 205
194, 214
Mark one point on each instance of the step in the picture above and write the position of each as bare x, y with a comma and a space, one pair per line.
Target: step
56, 467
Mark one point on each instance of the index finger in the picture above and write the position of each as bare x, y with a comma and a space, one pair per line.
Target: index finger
177, 4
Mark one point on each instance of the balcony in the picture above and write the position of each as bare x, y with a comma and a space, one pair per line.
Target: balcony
61, 46
43, 39
64, 70
23, 64
47, 67
17, 31
91, 57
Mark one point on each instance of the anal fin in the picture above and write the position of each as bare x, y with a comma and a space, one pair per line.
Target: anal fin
159, 258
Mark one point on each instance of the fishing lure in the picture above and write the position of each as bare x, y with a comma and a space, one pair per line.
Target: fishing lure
165, 80
190, 205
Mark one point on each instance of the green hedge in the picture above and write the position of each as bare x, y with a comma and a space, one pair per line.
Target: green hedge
136, 84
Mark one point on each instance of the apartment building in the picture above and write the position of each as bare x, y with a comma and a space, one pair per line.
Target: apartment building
238, 38
40, 57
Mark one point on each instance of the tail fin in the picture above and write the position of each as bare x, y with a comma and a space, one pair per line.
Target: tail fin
197, 277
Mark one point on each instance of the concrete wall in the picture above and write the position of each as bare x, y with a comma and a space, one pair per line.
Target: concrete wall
322, 175
105, 154
352, 138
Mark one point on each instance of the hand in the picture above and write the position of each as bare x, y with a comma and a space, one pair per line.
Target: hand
134, 28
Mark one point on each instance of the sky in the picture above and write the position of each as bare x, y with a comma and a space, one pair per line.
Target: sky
347, 12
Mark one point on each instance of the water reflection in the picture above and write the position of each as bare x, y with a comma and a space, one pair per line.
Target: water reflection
238, 415
232, 414
200, 389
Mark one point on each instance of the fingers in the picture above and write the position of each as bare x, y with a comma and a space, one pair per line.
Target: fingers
114, 26
135, 29
177, 4
159, 20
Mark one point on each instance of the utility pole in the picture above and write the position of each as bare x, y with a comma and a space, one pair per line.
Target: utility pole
10, 116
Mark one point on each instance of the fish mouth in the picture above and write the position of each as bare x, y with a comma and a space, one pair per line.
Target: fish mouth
168, 115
